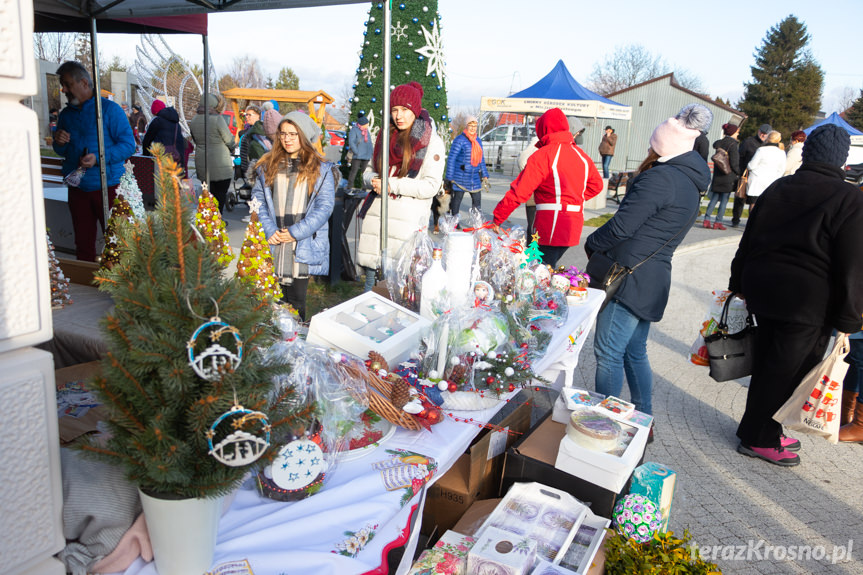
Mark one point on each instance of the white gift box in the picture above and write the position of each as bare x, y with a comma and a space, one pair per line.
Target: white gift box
369, 322
600, 468
501, 552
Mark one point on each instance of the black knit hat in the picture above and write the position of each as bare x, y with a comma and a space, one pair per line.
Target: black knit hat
827, 144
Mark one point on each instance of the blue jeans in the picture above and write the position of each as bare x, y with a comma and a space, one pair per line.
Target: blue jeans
620, 346
712, 199
854, 377
606, 162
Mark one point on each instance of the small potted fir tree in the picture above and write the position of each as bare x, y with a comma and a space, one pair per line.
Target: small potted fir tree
189, 395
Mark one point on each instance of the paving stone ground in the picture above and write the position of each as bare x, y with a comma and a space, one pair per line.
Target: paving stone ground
757, 518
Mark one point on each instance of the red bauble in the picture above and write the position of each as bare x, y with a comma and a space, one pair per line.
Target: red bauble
490, 380
452, 387
435, 416
524, 345
511, 387
423, 414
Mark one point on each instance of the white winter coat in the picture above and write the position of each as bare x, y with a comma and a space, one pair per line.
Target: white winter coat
765, 167
794, 158
408, 211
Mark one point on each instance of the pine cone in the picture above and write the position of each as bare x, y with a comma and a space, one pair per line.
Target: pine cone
375, 357
400, 393
458, 373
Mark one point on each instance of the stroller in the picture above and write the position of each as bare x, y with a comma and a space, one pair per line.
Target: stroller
240, 190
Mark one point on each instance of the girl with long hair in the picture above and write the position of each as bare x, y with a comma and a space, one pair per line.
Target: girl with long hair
296, 191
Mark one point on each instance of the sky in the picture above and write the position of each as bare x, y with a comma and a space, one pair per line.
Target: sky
496, 47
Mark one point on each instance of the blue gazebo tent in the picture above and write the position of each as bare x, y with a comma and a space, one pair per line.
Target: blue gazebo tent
836, 119
560, 85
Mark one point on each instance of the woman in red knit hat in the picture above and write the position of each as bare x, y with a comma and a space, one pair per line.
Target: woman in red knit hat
416, 162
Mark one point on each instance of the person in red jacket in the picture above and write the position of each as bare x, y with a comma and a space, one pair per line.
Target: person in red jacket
561, 176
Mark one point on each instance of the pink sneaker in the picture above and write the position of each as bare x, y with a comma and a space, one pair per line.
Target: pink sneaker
789, 443
774, 455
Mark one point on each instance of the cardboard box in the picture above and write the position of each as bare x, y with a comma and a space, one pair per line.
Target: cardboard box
369, 322
532, 458
477, 473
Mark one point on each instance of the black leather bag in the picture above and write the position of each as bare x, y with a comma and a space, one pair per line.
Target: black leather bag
606, 274
731, 354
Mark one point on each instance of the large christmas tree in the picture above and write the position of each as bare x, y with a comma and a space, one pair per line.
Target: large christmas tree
417, 56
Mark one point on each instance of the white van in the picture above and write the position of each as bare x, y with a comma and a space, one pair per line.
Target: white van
503, 144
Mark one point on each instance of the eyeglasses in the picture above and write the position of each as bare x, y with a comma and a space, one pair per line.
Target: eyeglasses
289, 135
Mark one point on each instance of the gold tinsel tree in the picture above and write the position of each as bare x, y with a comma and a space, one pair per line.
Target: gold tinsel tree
209, 222
255, 266
121, 214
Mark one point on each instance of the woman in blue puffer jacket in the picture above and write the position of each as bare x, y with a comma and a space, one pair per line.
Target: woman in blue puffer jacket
296, 190
465, 168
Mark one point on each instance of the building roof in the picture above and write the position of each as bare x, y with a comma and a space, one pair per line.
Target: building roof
674, 84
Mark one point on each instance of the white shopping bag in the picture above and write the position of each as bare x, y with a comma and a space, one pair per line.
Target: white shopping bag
815, 404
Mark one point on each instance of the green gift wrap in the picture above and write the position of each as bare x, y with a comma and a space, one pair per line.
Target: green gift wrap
655, 481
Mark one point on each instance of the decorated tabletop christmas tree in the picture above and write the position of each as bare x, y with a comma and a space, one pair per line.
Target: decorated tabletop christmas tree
121, 215
129, 188
255, 266
59, 282
209, 222
417, 56
190, 398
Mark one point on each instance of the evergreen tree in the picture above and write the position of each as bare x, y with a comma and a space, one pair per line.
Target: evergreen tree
121, 214
255, 266
209, 222
786, 86
417, 56
854, 115
129, 188
170, 375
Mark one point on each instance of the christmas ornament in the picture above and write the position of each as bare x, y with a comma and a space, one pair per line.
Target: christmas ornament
298, 464
216, 359
637, 517
240, 447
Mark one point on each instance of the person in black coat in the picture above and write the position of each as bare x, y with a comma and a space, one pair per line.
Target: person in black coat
800, 269
659, 207
702, 145
747, 151
723, 184
165, 129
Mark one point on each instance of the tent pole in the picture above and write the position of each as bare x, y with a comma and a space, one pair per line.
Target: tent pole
206, 114
100, 121
385, 135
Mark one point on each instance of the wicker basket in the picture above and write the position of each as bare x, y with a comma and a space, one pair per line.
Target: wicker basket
379, 391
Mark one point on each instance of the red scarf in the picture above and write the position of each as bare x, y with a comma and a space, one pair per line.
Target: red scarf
364, 130
475, 149
420, 135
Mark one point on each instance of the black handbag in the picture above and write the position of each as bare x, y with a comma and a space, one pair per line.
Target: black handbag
731, 354
606, 274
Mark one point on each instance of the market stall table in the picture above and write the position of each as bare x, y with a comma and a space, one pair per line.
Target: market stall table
351, 525
77, 336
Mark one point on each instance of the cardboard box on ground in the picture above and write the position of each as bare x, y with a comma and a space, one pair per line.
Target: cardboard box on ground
477, 473
532, 458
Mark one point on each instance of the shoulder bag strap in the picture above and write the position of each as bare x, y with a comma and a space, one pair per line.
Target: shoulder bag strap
686, 227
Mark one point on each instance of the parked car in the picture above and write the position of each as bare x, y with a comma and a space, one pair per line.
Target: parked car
504, 143
337, 137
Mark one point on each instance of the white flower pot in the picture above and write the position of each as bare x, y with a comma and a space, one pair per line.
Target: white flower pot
182, 533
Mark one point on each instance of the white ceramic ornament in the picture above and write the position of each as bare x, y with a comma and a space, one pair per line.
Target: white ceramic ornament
443, 385
240, 447
413, 407
508, 372
298, 464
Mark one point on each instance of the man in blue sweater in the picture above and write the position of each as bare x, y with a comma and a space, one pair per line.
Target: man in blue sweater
76, 139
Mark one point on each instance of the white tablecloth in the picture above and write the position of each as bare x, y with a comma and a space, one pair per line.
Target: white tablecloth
308, 537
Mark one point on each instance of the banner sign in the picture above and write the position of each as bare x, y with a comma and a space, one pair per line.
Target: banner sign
581, 108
